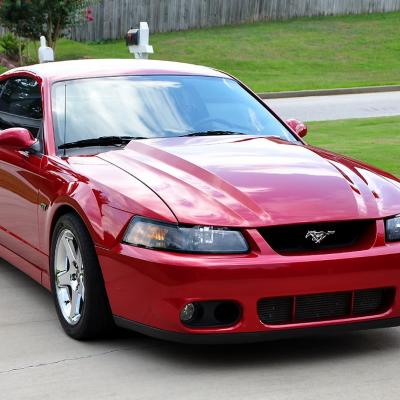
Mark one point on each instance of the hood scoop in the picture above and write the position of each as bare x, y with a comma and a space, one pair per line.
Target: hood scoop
259, 182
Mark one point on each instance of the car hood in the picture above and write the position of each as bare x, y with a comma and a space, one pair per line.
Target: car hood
256, 181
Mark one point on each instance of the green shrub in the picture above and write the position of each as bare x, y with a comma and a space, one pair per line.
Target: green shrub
10, 45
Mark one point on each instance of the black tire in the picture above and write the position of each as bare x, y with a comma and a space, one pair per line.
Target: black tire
96, 318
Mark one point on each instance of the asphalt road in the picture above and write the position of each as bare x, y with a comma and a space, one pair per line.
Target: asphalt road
37, 361
324, 108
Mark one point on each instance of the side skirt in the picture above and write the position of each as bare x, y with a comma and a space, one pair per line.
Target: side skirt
26, 267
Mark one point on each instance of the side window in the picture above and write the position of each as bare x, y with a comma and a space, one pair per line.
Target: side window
21, 104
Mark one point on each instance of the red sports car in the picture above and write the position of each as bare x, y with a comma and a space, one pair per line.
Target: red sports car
169, 199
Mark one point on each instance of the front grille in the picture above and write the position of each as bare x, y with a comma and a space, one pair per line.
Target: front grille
324, 306
367, 301
291, 239
276, 310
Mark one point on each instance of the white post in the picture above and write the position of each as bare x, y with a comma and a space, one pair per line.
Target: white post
138, 41
46, 54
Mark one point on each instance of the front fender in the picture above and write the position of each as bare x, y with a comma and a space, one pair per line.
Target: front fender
65, 192
104, 196
106, 224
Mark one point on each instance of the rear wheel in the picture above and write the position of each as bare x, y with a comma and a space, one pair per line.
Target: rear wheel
77, 283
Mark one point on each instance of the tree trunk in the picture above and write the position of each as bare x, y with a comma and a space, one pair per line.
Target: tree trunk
20, 50
56, 33
49, 30
36, 50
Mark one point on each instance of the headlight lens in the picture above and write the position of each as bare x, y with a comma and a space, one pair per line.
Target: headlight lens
198, 239
393, 229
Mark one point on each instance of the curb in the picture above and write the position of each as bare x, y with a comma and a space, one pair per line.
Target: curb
330, 92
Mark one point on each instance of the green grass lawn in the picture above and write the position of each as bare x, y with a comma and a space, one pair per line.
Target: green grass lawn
372, 140
306, 53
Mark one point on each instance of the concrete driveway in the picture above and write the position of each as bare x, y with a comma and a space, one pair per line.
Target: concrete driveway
37, 361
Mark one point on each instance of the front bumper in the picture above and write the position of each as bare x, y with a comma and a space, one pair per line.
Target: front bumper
147, 289
252, 337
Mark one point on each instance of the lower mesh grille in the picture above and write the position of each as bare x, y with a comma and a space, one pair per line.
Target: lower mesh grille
367, 301
325, 306
276, 310
322, 306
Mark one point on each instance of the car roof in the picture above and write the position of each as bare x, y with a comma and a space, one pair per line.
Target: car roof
76, 69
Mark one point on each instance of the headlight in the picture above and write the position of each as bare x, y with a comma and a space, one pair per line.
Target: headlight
198, 239
393, 229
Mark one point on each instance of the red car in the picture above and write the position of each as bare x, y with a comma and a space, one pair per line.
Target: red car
169, 199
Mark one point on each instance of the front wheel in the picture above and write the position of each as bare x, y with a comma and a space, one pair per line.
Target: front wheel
77, 283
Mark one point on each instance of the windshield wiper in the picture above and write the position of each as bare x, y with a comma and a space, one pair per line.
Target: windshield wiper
100, 141
213, 133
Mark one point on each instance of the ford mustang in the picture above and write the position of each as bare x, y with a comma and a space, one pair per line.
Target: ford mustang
169, 199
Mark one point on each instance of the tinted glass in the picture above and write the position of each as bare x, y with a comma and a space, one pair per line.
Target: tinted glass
21, 104
158, 106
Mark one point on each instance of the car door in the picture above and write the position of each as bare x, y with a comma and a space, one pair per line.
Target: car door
20, 106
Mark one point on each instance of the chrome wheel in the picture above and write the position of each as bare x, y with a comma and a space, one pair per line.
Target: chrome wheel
69, 277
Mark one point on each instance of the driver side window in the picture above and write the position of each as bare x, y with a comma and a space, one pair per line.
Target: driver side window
21, 104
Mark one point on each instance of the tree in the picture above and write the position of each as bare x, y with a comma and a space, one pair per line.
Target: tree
60, 15
22, 18
31, 18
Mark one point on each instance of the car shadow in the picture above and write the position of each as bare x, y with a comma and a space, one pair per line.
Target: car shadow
271, 353
300, 351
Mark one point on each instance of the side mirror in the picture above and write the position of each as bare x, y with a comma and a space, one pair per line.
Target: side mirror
299, 127
18, 138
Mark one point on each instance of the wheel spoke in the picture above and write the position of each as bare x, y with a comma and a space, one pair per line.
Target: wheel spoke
70, 250
69, 277
63, 279
76, 299
82, 289
79, 262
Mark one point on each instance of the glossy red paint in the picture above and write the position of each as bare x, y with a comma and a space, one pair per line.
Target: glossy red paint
18, 138
254, 182
238, 182
163, 284
299, 127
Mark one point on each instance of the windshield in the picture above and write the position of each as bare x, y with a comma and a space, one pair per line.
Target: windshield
158, 106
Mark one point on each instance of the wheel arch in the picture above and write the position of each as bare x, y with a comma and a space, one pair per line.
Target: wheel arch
94, 312
105, 224
59, 212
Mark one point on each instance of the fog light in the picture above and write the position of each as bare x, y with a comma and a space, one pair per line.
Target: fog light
188, 312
